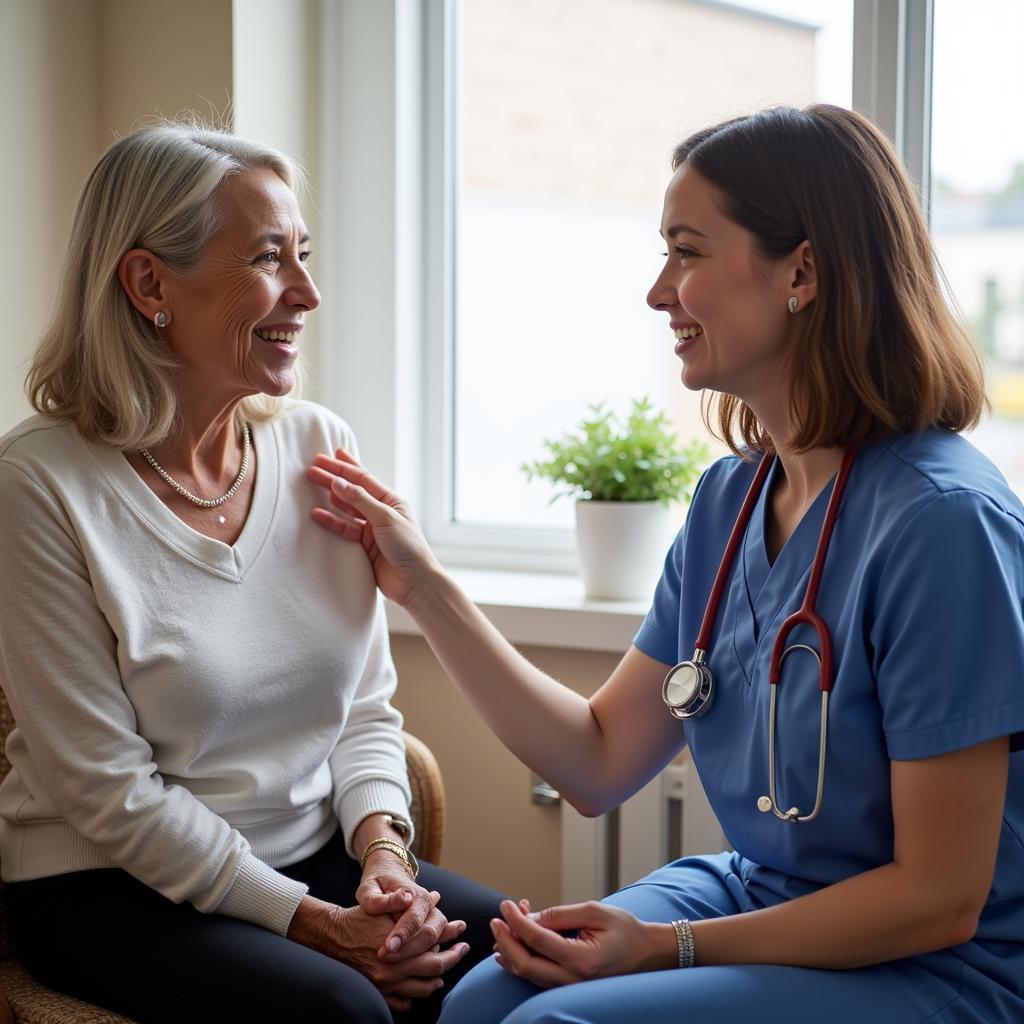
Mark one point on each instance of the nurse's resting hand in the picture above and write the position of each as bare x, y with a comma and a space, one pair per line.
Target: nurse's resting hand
608, 941
365, 511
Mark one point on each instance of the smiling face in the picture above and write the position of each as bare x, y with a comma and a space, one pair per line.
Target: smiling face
236, 321
726, 304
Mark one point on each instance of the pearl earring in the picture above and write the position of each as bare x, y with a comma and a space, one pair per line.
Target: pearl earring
793, 303
160, 319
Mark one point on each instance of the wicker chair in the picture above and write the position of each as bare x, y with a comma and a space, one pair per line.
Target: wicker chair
24, 1000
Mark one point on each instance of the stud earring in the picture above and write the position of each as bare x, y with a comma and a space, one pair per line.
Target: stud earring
793, 303
160, 319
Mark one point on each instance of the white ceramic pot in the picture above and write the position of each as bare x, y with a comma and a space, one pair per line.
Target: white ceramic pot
622, 546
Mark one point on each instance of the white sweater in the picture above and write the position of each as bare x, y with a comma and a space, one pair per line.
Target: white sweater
193, 713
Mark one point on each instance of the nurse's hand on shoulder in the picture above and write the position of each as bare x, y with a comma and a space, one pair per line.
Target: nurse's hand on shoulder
364, 510
608, 941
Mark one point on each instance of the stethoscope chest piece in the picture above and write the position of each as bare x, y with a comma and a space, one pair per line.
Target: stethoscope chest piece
689, 688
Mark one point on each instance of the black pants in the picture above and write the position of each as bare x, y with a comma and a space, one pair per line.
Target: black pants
105, 937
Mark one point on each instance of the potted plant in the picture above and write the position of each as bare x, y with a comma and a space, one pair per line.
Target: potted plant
625, 477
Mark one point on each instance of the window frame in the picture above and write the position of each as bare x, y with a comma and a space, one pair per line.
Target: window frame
389, 70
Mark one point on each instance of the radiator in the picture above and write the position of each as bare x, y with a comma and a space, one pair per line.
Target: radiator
669, 818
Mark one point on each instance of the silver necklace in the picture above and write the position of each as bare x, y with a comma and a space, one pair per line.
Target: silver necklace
206, 502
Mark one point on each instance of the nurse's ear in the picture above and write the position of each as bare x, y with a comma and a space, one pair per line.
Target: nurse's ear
801, 279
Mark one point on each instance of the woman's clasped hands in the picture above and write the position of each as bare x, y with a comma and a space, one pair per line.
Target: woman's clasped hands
604, 941
393, 935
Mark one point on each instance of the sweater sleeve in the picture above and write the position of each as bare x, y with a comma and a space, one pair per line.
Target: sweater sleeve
79, 752
368, 763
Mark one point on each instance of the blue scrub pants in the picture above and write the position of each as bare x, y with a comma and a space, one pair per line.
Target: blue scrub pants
699, 888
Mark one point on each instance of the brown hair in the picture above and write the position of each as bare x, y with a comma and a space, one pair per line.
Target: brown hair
881, 353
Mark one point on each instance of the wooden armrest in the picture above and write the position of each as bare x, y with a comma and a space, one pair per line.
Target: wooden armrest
428, 801
6, 1013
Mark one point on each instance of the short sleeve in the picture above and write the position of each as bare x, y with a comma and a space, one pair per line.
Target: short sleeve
948, 629
658, 636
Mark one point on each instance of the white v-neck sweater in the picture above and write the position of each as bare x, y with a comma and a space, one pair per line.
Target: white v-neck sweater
194, 713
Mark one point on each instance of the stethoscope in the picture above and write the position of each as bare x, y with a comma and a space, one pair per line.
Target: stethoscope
689, 687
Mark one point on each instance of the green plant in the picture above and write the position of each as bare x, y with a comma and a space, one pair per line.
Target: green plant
607, 460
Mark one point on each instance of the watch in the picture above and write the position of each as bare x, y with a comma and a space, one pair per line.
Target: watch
400, 825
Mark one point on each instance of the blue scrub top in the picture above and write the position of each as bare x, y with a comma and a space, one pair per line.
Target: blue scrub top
923, 591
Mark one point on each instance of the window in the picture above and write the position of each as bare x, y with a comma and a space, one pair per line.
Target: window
478, 303
563, 128
977, 200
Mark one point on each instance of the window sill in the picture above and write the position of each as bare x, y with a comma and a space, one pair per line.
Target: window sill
542, 609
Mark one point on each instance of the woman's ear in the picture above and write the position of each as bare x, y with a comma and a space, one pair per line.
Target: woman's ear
142, 277
801, 277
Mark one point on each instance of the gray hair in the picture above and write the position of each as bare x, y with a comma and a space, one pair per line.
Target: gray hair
101, 363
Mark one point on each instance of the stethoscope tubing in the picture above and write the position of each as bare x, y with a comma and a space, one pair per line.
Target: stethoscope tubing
703, 694
725, 565
771, 802
806, 614
702, 688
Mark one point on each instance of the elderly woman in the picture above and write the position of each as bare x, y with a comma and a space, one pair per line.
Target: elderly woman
207, 812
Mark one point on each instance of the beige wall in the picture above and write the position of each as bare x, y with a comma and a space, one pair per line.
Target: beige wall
494, 832
48, 78
155, 57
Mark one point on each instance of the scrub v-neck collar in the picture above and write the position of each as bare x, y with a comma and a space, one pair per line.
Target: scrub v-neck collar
798, 551
230, 561
761, 589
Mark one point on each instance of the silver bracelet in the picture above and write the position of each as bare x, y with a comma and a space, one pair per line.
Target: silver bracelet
684, 943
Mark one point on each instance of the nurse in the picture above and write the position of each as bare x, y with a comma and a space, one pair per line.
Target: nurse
804, 298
